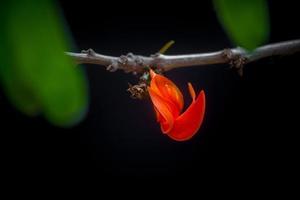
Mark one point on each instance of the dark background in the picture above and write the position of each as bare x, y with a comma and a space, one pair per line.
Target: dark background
249, 129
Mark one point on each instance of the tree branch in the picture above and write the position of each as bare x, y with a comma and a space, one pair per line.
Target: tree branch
237, 57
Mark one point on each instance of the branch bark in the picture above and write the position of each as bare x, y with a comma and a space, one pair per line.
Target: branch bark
237, 57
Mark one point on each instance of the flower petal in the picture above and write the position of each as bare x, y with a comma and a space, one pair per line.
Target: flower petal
164, 110
188, 123
152, 73
158, 115
192, 91
166, 89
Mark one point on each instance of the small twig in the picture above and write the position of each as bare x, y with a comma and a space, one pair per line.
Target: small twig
237, 57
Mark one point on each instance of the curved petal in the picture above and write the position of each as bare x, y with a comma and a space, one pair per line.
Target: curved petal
188, 123
192, 91
169, 104
159, 118
166, 89
164, 111
163, 122
152, 73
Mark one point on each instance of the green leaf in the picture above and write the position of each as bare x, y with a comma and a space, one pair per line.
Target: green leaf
17, 91
38, 76
246, 22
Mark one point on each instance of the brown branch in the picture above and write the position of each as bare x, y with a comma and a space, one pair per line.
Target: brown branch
237, 57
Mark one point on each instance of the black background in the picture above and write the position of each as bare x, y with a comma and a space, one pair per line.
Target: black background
250, 126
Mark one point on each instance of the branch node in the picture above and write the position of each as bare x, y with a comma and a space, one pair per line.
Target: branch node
130, 55
123, 60
236, 61
89, 52
139, 61
156, 55
228, 54
131, 63
157, 62
114, 66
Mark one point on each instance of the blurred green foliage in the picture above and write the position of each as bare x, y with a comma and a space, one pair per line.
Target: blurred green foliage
245, 21
35, 74
39, 79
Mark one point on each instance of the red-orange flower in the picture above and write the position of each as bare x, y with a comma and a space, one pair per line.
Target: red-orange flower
168, 103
